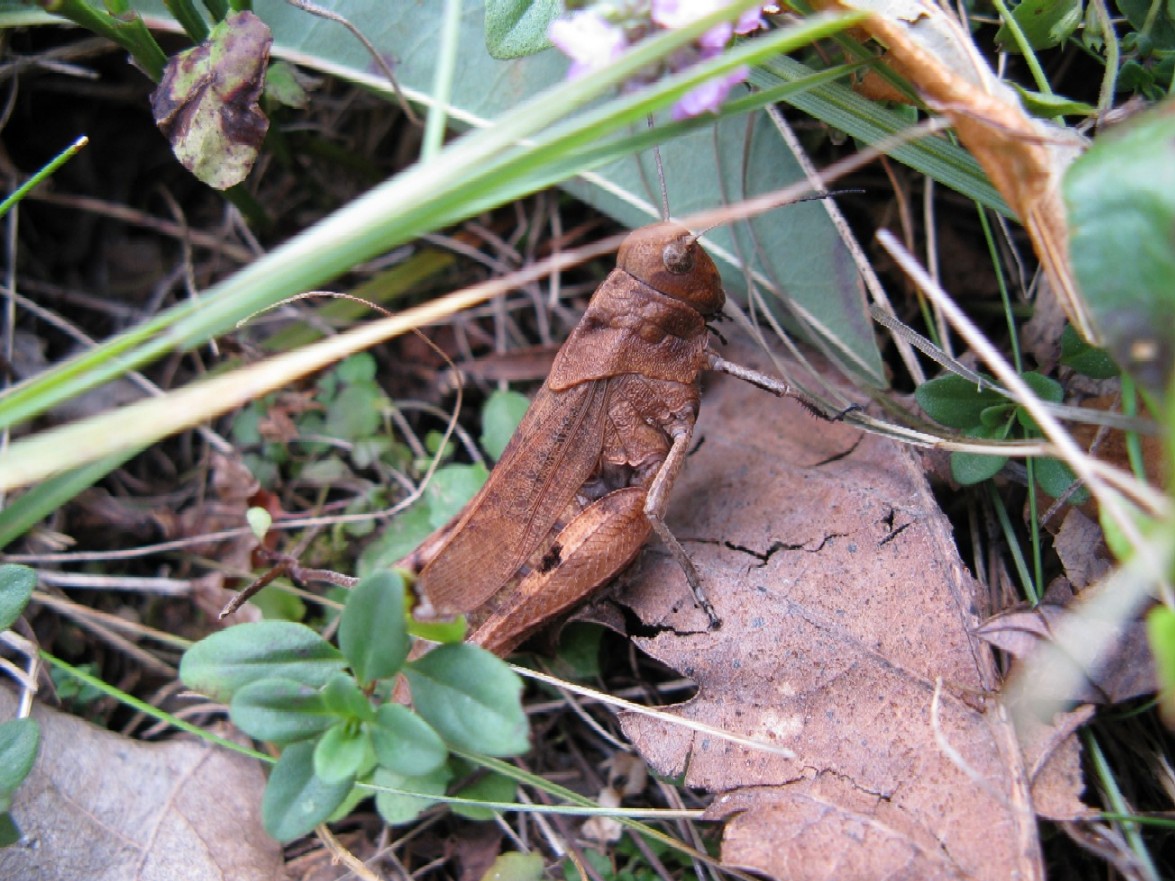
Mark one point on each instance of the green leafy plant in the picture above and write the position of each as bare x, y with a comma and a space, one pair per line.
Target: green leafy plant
19, 738
331, 709
979, 411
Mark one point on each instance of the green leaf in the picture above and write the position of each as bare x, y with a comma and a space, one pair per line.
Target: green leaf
1160, 631
372, 631
343, 697
1045, 23
1055, 478
398, 539
280, 710
224, 662
355, 413
514, 866
1049, 106
499, 420
471, 698
397, 808
1120, 197
16, 587
440, 631
404, 743
956, 402
1085, 359
969, 469
451, 487
1047, 389
19, 742
515, 28
489, 787
9, 831
295, 800
357, 368
343, 753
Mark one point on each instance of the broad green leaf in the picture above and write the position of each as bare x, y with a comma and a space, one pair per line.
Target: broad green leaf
471, 698
399, 538
514, 28
295, 800
451, 487
397, 808
1047, 389
1120, 197
19, 742
280, 710
969, 469
1045, 23
359, 368
1055, 478
224, 662
491, 787
956, 402
355, 412
343, 697
372, 631
499, 420
1085, 359
404, 743
16, 587
343, 753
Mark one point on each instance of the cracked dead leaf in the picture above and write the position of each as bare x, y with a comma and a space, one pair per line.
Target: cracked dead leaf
843, 602
100, 806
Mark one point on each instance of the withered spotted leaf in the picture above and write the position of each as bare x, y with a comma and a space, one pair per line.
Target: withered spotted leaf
206, 104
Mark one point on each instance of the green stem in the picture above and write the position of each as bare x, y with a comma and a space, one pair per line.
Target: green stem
1013, 26
442, 86
55, 163
129, 33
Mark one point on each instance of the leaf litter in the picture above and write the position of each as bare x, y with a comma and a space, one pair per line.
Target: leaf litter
847, 637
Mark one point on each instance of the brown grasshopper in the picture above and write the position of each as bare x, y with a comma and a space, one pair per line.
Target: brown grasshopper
587, 475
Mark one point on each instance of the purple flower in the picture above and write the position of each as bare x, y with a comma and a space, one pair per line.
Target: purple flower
588, 40
708, 97
674, 14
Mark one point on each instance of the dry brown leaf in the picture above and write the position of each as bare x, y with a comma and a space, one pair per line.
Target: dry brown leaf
843, 600
1024, 157
101, 807
1126, 670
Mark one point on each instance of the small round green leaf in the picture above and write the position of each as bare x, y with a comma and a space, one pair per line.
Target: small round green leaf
450, 488
1055, 478
259, 521
372, 631
971, 468
404, 743
344, 698
471, 698
224, 662
16, 586
343, 753
499, 420
19, 741
280, 710
954, 401
516, 866
295, 800
1160, 631
402, 807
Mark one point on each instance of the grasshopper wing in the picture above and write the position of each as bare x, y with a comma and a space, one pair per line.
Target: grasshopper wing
553, 453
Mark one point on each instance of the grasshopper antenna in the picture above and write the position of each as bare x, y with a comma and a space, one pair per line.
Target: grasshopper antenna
661, 179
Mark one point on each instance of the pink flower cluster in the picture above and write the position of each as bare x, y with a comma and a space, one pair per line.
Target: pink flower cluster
593, 38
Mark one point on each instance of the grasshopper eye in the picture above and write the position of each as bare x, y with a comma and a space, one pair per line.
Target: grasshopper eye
668, 258
678, 256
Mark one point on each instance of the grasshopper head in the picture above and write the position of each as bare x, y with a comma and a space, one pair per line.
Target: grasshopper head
668, 258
